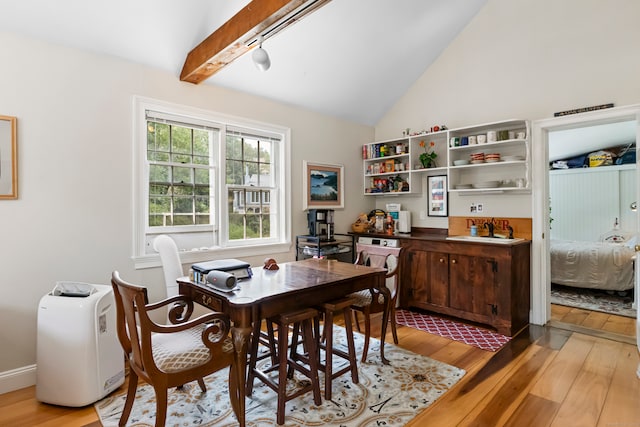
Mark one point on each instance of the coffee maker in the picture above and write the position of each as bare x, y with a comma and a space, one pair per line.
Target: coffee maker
321, 223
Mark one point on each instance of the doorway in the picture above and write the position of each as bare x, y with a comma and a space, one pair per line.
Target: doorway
541, 306
591, 218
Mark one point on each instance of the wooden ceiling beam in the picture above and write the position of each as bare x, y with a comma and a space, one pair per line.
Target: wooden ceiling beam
229, 42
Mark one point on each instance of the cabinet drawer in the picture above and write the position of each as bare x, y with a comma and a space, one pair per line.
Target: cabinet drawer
207, 300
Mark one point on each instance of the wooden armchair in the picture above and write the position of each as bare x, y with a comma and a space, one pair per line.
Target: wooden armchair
168, 356
371, 301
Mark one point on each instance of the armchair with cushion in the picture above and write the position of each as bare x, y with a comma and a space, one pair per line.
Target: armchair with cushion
168, 356
371, 301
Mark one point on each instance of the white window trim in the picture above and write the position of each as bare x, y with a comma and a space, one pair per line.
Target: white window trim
140, 191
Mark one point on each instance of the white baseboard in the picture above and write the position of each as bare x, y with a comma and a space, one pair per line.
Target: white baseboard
17, 379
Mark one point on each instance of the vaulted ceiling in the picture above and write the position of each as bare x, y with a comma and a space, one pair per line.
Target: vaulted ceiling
351, 59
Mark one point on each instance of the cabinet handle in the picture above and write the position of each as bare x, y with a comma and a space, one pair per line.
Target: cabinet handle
441, 260
206, 300
453, 261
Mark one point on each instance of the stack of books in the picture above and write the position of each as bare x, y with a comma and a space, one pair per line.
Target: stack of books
240, 269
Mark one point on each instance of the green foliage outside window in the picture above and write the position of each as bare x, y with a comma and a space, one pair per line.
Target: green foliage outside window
248, 164
179, 191
180, 183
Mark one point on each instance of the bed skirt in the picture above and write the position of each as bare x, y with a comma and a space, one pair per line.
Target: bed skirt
594, 265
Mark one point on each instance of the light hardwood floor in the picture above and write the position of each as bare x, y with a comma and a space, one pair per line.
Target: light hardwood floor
599, 322
545, 376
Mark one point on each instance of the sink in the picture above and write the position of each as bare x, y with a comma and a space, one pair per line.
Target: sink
481, 239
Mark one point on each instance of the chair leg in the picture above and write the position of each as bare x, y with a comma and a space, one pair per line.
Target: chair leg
357, 321
392, 317
131, 395
293, 348
327, 332
203, 387
351, 346
161, 407
367, 334
253, 356
282, 376
272, 342
311, 346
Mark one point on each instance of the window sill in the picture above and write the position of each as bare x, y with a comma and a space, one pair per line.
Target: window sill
192, 256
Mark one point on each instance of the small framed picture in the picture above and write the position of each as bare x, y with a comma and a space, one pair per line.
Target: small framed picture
8, 158
323, 186
438, 198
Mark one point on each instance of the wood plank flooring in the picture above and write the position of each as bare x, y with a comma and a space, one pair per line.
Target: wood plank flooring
594, 320
546, 376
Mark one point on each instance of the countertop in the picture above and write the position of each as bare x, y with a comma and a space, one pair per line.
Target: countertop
434, 234
416, 233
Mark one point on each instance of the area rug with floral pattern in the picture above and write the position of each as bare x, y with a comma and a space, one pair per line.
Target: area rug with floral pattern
385, 395
594, 300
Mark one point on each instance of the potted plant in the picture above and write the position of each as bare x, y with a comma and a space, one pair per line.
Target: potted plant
428, 158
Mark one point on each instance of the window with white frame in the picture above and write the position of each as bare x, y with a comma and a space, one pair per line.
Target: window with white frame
250, 175
209, 182
181, 172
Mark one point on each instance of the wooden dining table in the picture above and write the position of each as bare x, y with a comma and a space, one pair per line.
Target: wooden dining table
268, 293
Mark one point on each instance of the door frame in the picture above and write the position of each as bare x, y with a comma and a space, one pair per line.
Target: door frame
540, 262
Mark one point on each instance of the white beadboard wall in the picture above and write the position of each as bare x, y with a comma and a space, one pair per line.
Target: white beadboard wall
585, 202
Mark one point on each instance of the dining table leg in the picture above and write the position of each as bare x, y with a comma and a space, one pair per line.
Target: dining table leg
241, 334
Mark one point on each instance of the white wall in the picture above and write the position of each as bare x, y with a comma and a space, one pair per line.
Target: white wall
73, 217
586, 202
523, 59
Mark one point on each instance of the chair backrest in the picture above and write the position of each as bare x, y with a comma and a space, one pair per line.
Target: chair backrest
133, 323
171, 265
381, 257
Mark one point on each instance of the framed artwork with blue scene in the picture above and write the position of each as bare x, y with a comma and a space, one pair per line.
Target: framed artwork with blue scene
323, 186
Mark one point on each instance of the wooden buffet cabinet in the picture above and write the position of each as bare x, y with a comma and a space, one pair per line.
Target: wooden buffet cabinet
480, 282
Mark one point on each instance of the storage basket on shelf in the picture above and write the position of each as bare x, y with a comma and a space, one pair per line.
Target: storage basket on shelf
359, 227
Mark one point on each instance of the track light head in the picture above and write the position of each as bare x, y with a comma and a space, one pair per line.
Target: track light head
261, 57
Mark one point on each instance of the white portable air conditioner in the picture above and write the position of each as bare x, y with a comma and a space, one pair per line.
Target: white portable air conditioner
79, 357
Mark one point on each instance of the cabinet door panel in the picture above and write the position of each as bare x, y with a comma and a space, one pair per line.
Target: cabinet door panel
439, 278
429, 277
472, 282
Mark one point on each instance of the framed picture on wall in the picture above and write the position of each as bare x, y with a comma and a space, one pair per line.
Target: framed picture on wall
8, 158
437, 198
323, 186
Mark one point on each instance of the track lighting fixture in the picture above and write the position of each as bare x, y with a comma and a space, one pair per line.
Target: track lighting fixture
261, 57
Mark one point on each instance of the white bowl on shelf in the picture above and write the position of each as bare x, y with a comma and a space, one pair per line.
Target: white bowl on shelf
461, 162
486, 184
512, 158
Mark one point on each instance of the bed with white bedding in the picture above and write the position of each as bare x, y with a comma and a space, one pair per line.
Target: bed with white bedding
594, 265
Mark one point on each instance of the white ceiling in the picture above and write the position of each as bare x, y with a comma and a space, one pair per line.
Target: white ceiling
351, 58
565, 144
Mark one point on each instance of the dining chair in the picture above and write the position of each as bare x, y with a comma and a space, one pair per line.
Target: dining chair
166, 356
371, 301
171, 265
